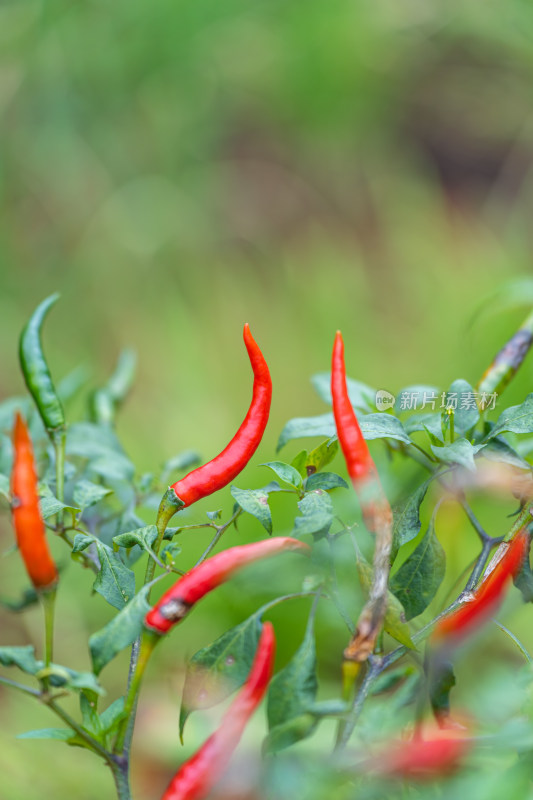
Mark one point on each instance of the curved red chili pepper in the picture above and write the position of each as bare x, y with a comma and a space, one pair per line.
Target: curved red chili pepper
198, 775
222, 469
361, 467
487, 597
27, 520
177, 601
422, 758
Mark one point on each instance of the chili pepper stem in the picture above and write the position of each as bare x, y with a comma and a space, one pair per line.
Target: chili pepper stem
60, 440
167, 508
148, 643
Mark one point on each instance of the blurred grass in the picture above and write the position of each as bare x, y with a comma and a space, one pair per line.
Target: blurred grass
177, 169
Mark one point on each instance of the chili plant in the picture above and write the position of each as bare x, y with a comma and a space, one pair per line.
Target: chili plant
383, 719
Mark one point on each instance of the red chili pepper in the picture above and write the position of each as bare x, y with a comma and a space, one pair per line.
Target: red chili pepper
487, 597
198, 775
422, 758
177, 601
27, 520
222, 469
361, 467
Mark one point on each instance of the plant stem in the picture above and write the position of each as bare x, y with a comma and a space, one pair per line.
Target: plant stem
120, 770
220, 529
346, 726
20, 687
148, 642
48, 600
87, 738
60, 440
480, 564
150, 567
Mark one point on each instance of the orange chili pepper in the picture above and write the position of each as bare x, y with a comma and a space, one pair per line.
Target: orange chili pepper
27, 520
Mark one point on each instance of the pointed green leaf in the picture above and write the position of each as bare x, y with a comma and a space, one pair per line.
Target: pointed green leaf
115, 582
325, 481
285, 472
460, 452
294, 688
22, 657
254, 502
406, 518
429, 422
86, 493
289, 732
61, 734
321, 456
418, 579
214, 672
120, 632
516, 419
316, 514
144, 537
301, 427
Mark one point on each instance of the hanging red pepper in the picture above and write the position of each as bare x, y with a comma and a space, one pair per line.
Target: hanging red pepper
177, 601
222, 469
199, 774
486, 599
374, 505
27, 520
422, 758
361, 467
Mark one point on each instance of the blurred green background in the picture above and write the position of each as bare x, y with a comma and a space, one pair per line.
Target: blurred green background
180, 167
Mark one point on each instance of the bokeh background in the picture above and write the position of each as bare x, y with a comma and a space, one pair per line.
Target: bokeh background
179, 167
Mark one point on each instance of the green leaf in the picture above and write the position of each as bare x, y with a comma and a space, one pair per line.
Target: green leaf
321, 456
299, 462
406, 518
87, 494
169, 553
90, 719
499, 450
214, 672
419, 577
119, 632
294, 688
383, 426
316, 514
461, 397
362, 397
254, 502
214, 515
144, 537
22, 657
289, 732
115, 582
285, 472
82, 541
394, 622
429, 422
326, 481
61, 734
112, 715
101, 447
516, 419
460, 452
50, 505
301, 427
5, 487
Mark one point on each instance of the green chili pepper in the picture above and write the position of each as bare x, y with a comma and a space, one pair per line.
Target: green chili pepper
36, 372
508, 360
104, 402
